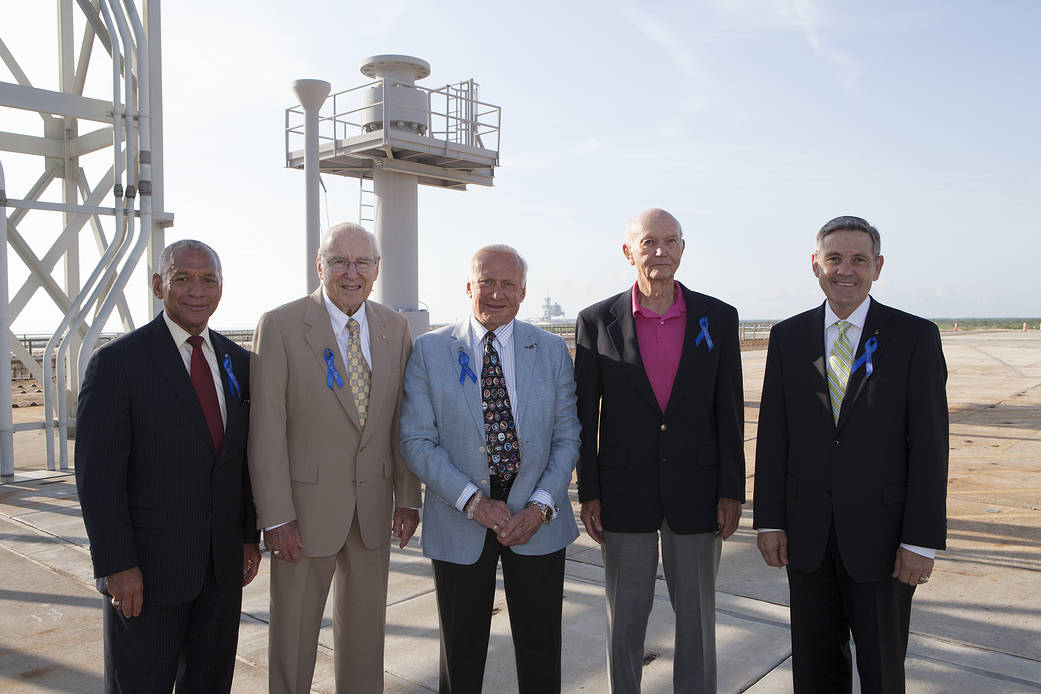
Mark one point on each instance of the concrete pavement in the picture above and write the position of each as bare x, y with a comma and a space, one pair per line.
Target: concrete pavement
974, 626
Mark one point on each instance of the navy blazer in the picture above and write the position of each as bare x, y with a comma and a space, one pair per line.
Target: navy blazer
880, 473
153, 491
644, 464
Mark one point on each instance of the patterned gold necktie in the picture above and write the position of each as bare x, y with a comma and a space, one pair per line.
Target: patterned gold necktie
357, 370
838, 368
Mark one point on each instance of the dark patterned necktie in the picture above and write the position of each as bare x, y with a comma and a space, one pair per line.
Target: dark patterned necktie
206, 391
503, 450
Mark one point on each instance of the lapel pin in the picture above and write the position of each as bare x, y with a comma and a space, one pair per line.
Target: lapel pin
533, 345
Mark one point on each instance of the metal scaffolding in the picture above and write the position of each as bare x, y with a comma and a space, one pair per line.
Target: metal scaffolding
123, 207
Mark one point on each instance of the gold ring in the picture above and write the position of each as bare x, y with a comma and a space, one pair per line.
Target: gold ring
116, 603
495, 527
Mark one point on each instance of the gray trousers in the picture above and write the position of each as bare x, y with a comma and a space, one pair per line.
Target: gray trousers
630, 568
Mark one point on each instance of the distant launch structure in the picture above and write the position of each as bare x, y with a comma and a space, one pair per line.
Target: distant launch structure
391, 135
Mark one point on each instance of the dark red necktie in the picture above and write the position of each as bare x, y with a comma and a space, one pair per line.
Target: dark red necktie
202, 379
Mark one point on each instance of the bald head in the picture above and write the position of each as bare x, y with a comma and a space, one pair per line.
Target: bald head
654, 246
655, 218
348, 231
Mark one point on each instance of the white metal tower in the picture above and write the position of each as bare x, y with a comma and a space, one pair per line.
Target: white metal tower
393, 136
122, 206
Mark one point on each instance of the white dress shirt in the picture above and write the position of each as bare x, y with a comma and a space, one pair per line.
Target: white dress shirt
180, 338
338, 319
856, 320
503, 344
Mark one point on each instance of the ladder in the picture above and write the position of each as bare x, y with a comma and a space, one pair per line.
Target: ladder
367, 202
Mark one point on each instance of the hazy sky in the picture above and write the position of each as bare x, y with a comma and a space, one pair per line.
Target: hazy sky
753, 121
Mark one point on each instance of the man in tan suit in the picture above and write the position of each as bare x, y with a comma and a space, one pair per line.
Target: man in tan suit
325, 467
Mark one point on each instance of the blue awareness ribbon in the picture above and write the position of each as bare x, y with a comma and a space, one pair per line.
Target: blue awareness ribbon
465, 370
233, 383
331, 374
869, 348
703, 335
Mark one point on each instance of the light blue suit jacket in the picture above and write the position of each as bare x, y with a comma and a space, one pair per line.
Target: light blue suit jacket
443, 438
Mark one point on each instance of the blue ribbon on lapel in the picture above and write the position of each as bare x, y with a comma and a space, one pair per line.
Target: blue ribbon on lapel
233, 383
703, 335
331, 374
869, 348
465, 370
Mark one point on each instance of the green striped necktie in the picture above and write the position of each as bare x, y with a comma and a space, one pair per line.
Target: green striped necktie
838, 368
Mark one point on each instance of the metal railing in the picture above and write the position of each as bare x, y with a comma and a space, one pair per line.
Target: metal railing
455, 116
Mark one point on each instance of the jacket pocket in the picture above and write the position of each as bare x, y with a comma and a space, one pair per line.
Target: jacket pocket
894, 493
613, 457
708, 456
149, 517
303, 471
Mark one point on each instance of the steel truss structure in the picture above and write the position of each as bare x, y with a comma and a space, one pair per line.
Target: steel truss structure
123, 208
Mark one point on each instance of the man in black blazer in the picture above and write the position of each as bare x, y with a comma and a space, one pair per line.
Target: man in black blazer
660, 401
164, 487
851, 467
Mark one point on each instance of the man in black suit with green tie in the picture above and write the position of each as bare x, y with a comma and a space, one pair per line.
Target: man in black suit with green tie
164, 487
851, 467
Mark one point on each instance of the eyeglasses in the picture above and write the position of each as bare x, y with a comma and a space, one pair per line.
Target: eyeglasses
339, 264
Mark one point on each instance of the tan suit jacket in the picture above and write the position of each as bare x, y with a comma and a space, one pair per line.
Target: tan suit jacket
309, 458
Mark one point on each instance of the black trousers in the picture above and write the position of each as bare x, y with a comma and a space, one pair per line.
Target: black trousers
534, 595
826, 605
192, 645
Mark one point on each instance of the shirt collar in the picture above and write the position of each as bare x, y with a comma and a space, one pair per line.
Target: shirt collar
338, 318
678, 307
856, 318
180, 335
478, 331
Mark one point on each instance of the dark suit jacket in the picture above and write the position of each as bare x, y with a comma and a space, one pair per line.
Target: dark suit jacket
154, 493
880, 474
644, 464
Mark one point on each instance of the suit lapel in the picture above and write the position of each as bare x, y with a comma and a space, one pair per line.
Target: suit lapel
471, 392
622, 330
233, 428
168, 363
379, 351
319, 335
525, 352
687, 372
813, 356
874, 326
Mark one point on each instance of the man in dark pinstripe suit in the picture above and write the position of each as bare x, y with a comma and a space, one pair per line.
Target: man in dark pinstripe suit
164, 487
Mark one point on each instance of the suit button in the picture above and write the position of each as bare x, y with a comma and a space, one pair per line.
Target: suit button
663, 427
835, 443
827, 493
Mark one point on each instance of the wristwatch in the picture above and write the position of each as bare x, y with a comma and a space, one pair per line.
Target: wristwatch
546, 510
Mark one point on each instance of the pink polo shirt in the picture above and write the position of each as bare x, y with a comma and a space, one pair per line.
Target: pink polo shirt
661, 342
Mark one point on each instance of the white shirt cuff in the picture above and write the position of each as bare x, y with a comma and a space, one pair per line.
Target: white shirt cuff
767, 530
277, 526
927, 552
542, 496
468, 491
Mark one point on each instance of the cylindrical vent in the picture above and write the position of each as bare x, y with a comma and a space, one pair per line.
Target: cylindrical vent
408, 108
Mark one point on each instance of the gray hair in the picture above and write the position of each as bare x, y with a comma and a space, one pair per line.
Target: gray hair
499, 248
850, 223
647, 217
166, 257
348, 227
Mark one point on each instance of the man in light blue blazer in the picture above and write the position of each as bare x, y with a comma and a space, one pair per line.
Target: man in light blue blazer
489, 424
